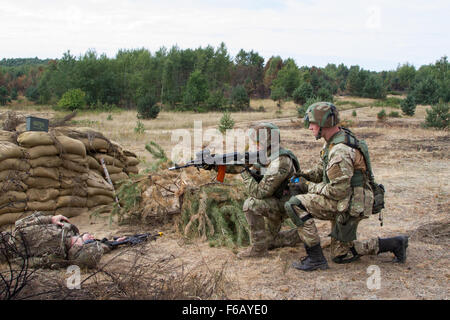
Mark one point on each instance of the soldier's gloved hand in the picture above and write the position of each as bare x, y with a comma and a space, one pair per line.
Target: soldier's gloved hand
209, 167
59, 219
298, 185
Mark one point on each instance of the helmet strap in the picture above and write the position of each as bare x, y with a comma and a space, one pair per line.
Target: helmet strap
319, 135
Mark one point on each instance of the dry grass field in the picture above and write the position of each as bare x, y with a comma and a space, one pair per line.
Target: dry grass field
411, 162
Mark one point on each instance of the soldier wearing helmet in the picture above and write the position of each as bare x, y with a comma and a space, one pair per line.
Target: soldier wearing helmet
265, 206
337, 190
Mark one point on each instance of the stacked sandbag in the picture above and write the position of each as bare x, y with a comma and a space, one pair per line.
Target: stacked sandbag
131, 165
99, 191
13, 171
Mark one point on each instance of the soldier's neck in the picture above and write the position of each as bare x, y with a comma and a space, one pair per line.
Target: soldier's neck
329, 134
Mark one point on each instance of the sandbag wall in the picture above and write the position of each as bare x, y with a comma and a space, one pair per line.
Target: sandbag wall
58, 172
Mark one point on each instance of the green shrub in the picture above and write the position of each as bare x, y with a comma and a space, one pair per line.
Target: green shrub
381, 115
3, 96
301, 110
139, 129
354, 113
14, 94
325, 95
215, 101
32, 94
278, 94
394, 114
226, 122
109, 117
239, 98
303, 93
312, 100
147, 108
408, 106
261, 109
72, 100
438, 116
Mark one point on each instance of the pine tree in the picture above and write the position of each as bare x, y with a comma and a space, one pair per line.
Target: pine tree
408, 106
226, 122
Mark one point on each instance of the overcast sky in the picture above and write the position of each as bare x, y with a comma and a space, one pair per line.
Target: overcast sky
377, 34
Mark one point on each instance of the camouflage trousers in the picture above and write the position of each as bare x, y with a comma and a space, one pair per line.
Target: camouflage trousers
265, 217
326, 209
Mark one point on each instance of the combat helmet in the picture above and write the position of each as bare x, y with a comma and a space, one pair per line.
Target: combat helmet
324, 114
263, 132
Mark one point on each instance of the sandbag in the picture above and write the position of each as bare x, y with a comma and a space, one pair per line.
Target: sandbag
95, 180
74, 157
48, 205
42, 194
71, 211
12, 196
13, 207
11, 218
109, 160
95, 144
131, 161
48, 162
30, 139
133, 170
42, 151
8, 136
117, 177
128, 153
12, 185
10, 150
93, 163
41, 183
66, 173
74, 166
113, 169
51, 173
14, 164
99, 200
70, 145
99, 192
14, 175
70, 201
78, 192
73, 183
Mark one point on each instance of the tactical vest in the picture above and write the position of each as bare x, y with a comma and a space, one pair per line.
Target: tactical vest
284, 186
359, 177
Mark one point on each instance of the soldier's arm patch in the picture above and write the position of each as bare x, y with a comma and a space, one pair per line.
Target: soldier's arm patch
334, 172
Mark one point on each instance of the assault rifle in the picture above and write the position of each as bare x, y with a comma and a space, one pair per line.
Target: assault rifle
130, 240
205, 160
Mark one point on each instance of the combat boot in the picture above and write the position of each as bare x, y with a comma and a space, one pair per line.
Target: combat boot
254, 251
286, 238
315, 260
397, 245
297, 264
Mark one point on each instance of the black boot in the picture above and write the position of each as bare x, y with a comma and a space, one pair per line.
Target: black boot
315, 260
297, 264
397, 245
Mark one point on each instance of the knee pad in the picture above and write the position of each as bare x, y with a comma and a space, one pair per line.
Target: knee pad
293, 201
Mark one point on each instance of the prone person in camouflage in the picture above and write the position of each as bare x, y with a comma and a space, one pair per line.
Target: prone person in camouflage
337, 189
52, 242
265, 206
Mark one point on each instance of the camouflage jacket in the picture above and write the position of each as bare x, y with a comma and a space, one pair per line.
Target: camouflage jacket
331, 177
277, 172
47, 244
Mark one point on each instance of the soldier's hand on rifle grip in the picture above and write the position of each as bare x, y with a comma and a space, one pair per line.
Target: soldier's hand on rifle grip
298, 185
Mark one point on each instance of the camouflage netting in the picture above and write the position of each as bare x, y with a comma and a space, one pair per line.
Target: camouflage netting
59, 172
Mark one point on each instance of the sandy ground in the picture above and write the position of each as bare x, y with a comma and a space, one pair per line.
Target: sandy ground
413, 165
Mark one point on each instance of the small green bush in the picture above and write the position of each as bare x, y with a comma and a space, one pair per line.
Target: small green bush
239, 98
109, 117
354, 113
139, 129
438, 116
14, 94
394, 114
381, 115
261, 109
147, 108
72, 100
3, 96
325, 95
226, 122
303, 93
408, 106
301, 110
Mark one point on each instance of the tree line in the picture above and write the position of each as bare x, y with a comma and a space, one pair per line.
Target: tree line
205, 79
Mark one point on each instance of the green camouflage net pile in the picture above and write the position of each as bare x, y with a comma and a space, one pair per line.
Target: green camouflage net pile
213, 212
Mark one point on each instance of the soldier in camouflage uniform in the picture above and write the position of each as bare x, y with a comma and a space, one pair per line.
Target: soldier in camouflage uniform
51, 242
337, 190
264, 209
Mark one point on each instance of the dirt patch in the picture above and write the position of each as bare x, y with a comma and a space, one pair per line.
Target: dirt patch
441, 144
387, 124
368, 135
433, 233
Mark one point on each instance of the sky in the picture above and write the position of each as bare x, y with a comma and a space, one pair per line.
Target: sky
377, 34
